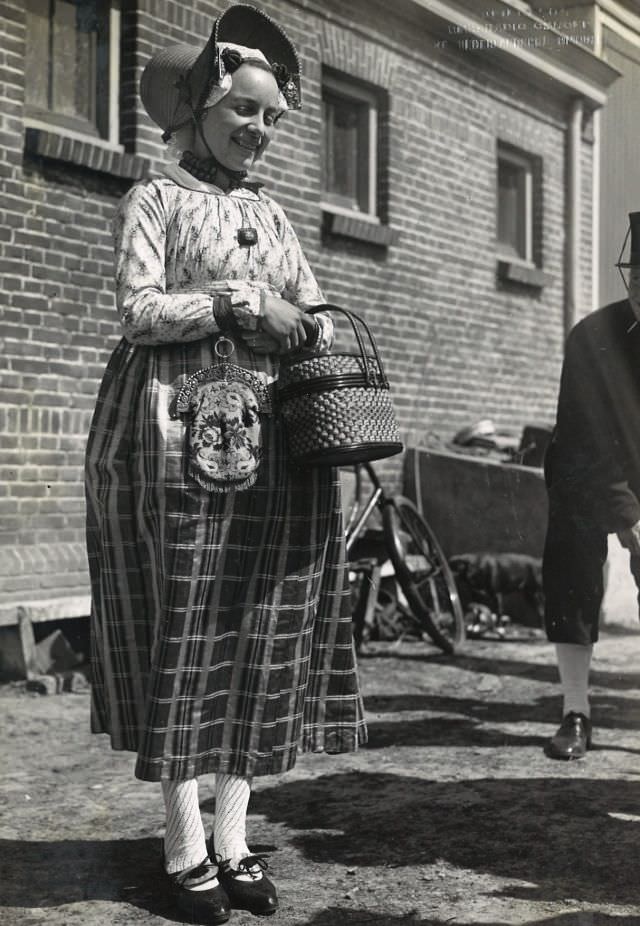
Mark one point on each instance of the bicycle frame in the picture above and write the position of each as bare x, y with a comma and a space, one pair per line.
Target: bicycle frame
415, 558
359, 514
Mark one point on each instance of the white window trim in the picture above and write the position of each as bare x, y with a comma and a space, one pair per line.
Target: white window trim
112, 142
354, 91
115, 26
521, 160
353, 213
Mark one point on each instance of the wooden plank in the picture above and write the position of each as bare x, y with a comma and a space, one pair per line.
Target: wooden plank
49, 609
476, 504
27, 643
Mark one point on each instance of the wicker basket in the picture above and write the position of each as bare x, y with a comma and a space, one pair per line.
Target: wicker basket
337, 408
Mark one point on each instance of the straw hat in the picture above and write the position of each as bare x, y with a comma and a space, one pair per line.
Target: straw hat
180, 82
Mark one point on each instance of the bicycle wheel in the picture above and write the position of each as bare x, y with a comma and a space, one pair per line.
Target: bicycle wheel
423, 573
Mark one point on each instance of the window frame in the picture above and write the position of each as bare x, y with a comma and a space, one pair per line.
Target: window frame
526, 162
109, 137
353, 90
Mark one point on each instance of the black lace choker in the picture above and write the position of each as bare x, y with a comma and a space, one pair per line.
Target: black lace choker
208, 169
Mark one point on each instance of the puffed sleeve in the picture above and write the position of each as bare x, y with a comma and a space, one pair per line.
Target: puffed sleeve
148, 314
301, 287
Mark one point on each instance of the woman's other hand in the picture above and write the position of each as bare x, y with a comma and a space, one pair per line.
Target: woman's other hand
286, 324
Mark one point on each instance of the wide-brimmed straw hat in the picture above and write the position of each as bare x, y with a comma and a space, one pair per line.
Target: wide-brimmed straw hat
180, 82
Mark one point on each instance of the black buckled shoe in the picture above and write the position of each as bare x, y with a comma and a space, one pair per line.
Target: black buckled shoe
198, 902
572, 739
247, 886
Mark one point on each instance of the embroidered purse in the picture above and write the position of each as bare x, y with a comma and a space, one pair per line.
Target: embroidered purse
222, 405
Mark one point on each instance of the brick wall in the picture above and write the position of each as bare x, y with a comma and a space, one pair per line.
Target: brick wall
56, 321
458, 345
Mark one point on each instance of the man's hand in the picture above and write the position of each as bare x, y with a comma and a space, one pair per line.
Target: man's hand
630, 538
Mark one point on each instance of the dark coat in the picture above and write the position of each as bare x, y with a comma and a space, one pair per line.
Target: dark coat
592, 468
593, 462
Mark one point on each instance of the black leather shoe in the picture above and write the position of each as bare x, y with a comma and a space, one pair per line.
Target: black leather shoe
208, 905
572, 739
247, 886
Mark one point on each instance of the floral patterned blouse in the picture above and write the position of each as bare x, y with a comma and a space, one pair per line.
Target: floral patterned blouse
177, 246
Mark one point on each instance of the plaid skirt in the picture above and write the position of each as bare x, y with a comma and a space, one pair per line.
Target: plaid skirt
221, 623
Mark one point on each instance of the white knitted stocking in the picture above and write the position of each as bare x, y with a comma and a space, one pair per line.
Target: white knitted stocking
230, 821
184, 842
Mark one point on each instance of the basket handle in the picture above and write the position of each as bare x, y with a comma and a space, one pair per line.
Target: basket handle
353, 319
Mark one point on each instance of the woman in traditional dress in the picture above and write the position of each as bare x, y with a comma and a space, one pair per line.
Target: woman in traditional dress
221, 628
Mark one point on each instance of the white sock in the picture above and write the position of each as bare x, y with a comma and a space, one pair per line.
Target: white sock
574, 661
185, 845
230, 820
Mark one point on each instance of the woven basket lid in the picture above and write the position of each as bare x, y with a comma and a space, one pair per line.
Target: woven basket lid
181, 80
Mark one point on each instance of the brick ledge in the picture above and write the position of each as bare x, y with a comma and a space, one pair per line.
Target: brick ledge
58, 146
354, 226
34, 560
46, 609
44, 582
514, 271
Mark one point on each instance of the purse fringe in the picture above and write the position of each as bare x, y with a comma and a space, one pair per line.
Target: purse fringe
216, 485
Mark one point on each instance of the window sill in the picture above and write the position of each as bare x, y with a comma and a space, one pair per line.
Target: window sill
354, 225
526, 274
57, 145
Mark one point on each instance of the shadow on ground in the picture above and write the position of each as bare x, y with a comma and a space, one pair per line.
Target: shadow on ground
557, 835
608, 711
490, 664
346, 917
50, 874
444, 731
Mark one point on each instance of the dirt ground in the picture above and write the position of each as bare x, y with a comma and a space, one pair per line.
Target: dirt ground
452, 814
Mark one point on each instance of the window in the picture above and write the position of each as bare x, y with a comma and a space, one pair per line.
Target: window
72, 65
515, 204
350, 118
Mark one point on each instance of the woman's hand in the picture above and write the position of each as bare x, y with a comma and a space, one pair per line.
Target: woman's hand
286, 324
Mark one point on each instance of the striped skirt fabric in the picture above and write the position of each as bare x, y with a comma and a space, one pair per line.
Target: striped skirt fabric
221, 624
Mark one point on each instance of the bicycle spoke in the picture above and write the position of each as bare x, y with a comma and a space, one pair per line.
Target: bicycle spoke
436, 597
423, 574
432, 594
424, 582
433, 571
